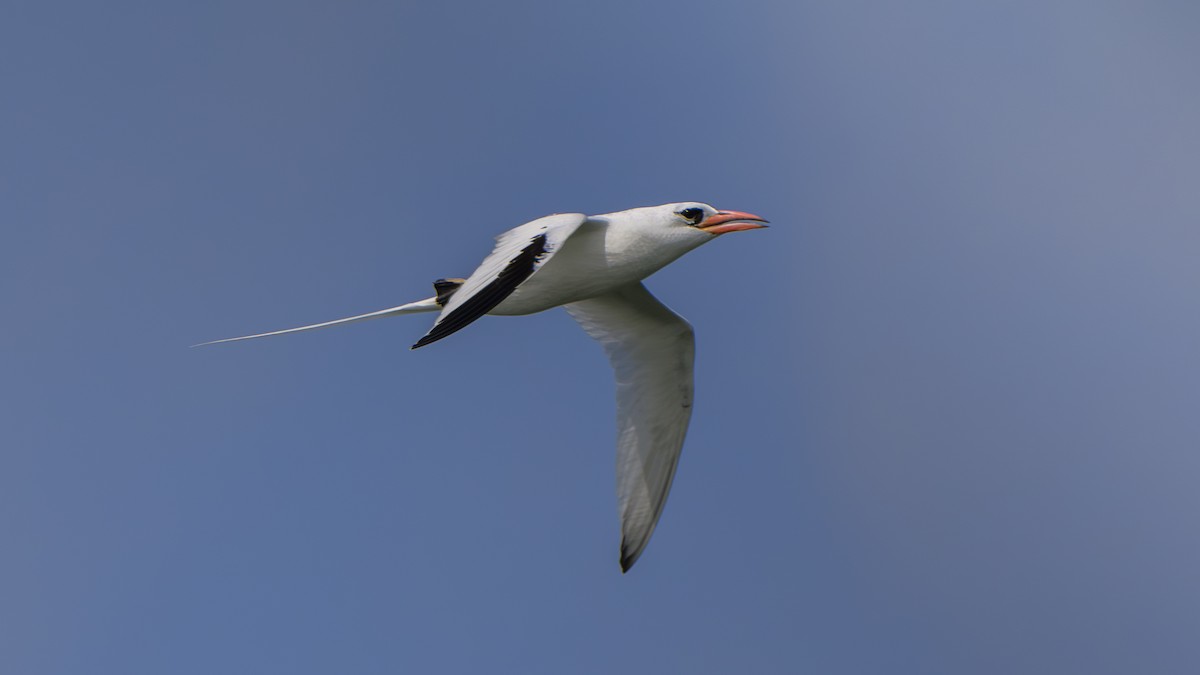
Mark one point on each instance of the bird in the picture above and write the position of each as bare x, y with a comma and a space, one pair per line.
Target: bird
593, 266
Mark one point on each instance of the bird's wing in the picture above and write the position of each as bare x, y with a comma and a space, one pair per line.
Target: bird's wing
518, 254
652, 350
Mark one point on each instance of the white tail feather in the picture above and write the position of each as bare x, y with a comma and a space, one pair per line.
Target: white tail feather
426, 305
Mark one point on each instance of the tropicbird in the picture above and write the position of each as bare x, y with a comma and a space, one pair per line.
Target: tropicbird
594, 267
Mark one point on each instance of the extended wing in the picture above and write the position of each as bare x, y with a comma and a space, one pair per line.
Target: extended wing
652, 350
518, 254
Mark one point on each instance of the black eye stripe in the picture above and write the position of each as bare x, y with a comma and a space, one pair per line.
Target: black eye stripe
693, 215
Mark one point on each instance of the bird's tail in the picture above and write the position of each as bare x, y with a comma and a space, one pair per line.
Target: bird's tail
433, 304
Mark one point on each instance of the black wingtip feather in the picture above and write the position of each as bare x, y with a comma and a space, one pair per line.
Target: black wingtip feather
627, 557
518, 270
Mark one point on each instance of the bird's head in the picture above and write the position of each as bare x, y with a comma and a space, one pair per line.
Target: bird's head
660, 234
686, 225
704, 218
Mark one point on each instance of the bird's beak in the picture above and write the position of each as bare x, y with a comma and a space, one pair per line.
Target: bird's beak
732, 221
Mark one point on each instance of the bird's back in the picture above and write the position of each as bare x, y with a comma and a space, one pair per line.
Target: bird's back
604, 254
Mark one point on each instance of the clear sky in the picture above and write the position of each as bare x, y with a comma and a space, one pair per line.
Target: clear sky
946, 416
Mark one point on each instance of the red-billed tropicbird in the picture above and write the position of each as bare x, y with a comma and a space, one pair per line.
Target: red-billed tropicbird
593, 266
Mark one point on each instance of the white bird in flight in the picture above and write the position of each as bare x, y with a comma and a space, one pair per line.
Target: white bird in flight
594, 267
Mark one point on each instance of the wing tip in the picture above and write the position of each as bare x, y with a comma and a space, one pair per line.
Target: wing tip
427, 339
629, 556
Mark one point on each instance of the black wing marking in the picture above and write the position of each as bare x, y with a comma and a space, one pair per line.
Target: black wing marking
445, 289
517, 271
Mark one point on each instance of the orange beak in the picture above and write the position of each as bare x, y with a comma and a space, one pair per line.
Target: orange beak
732, 221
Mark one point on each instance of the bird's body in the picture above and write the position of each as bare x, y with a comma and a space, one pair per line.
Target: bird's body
604, 253
594, 265
587, 265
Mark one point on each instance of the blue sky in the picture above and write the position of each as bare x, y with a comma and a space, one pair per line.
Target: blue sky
946, 406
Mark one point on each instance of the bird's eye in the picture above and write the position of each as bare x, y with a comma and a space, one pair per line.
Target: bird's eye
693, 215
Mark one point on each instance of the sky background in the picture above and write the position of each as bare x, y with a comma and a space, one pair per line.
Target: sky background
946, 416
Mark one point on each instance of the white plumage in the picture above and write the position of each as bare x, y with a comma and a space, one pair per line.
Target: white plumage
594, 266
